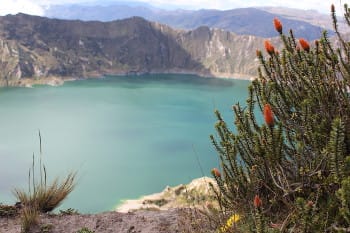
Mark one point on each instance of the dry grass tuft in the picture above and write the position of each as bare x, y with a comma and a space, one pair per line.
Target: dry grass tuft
29, 219
47, 197
42, 197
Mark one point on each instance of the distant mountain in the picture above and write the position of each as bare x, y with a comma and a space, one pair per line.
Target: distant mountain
243, 21
311, 16
102, 13
37, 48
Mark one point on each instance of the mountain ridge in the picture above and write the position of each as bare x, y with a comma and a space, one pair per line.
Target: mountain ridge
243, 21
39, 48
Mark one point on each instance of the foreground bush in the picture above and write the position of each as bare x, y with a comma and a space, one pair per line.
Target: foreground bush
291, 173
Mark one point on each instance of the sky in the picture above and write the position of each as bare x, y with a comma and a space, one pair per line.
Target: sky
37, 7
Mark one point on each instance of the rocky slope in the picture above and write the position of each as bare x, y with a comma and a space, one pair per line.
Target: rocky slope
38, 48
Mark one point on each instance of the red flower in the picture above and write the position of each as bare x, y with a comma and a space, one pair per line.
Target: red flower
257, 201
278, 25
310, 204
317, 43
209, 205
215, 172
269, 48
332, 8
268, 115
304, 44
276, 225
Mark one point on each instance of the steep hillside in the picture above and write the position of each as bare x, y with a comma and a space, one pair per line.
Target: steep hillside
243, 21
36, 47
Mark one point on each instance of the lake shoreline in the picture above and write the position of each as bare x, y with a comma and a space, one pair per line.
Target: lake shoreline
60, 80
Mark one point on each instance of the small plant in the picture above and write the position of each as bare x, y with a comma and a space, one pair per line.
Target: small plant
46, 228
69, 211
8, 211
29, 219
45, 197
41, 197
85, 230
230, 224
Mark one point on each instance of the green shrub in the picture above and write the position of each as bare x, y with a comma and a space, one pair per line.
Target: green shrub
297, 161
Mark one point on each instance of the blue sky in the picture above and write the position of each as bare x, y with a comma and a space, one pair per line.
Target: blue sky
37, 7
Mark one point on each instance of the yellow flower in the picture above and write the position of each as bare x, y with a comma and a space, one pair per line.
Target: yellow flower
229, 223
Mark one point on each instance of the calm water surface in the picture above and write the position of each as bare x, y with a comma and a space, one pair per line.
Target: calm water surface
126, 136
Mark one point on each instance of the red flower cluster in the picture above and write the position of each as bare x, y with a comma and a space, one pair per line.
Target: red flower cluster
269, 48
278, 25
257, 201
304, 44
268, 115
310, 204
215, 172
317, 43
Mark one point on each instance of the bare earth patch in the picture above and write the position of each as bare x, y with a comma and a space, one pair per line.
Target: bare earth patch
142, 221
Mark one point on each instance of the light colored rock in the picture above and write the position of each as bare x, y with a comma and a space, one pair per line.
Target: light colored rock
195, 194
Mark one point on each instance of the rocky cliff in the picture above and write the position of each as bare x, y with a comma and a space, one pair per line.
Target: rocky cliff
33, 47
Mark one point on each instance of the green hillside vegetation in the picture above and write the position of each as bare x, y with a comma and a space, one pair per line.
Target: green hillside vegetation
290, 173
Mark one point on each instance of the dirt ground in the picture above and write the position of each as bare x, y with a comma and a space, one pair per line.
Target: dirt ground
142, 221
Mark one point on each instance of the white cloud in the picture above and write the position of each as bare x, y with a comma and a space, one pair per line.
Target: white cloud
321, 6
24, 6
37, 6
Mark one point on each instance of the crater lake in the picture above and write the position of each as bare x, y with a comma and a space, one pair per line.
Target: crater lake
125, 136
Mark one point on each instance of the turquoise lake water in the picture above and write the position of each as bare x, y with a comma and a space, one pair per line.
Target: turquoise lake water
126, 136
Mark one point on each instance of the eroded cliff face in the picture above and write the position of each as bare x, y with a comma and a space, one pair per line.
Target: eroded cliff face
38, 48
9, 65
222, 52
